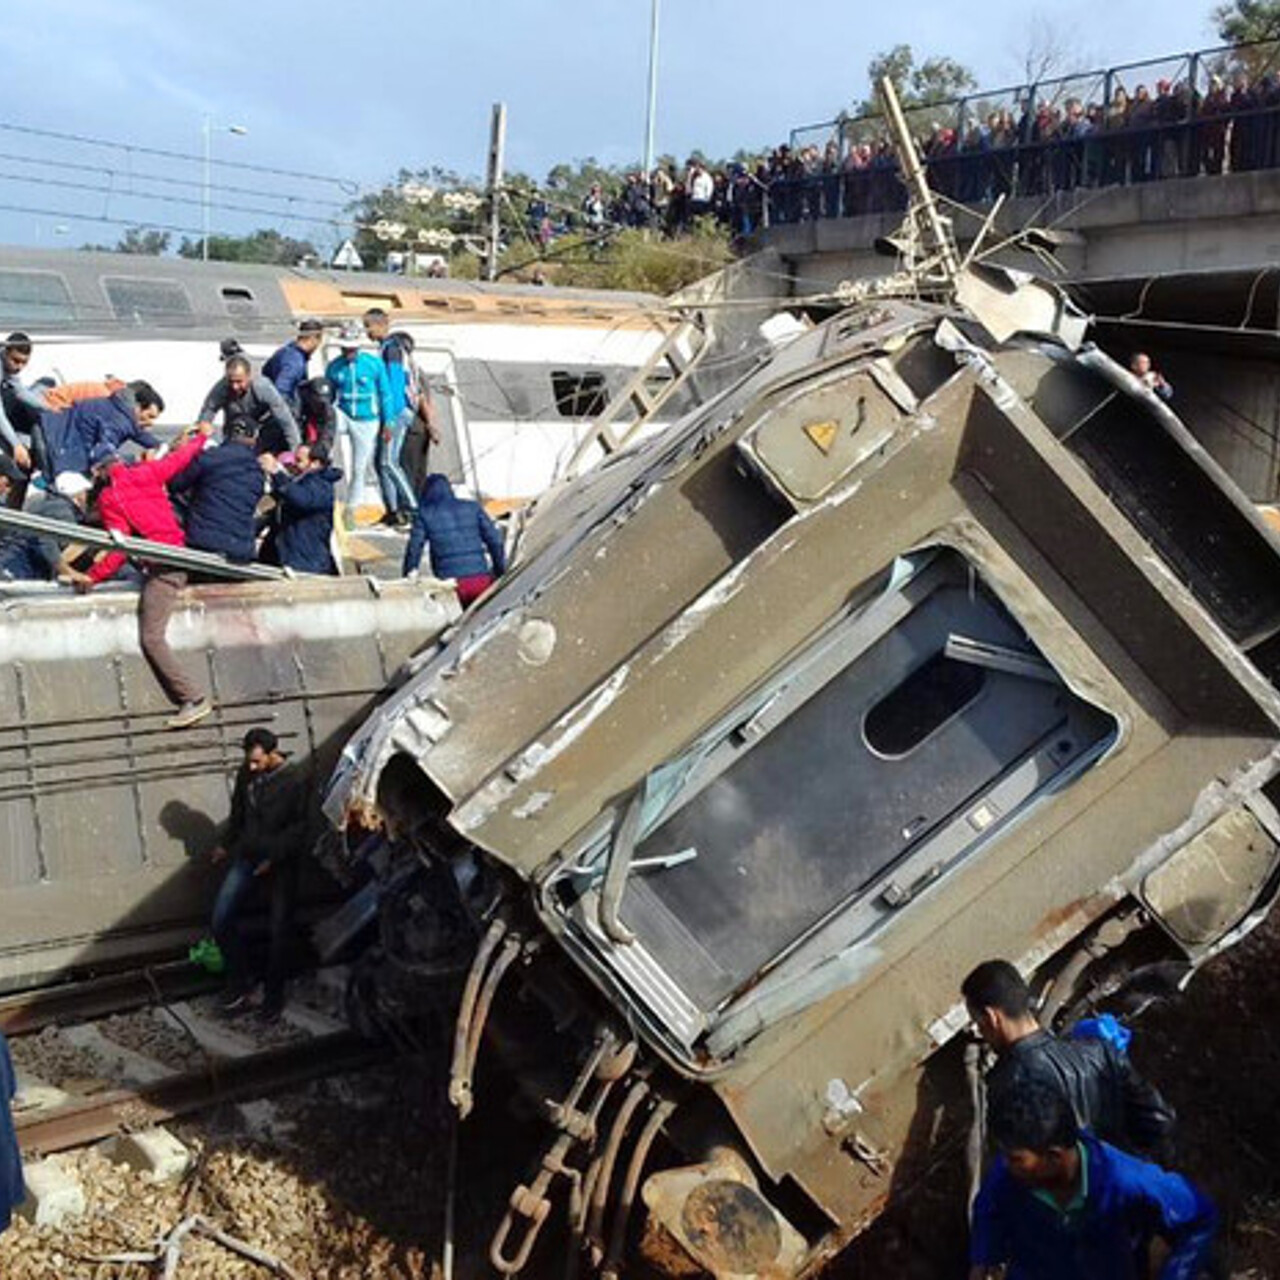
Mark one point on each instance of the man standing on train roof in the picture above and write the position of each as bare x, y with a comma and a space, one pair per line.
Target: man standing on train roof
136, 501
398, 499
223, 487
362, 397
286, 368
243, 397
20, 407
465, 544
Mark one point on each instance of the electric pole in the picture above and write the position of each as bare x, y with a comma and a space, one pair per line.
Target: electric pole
497, 145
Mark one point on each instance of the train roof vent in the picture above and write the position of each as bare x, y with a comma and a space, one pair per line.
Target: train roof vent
242, 307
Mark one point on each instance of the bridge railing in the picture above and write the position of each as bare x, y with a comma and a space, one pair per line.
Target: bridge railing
1210, 112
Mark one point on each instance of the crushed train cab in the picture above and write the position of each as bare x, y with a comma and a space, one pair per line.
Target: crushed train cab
934, 637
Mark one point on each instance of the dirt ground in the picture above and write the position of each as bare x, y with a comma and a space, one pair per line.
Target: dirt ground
353, 1189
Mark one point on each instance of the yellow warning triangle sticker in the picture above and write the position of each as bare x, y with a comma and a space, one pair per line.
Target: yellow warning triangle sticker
823, 434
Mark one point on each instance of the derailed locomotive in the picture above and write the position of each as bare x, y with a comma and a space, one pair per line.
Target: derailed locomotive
933, 637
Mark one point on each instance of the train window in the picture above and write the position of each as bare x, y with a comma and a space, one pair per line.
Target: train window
934, 692
579, 395
241, 307
157, 302
34, 297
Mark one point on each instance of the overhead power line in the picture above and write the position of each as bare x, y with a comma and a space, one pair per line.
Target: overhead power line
67, 184
348, 185
131, 176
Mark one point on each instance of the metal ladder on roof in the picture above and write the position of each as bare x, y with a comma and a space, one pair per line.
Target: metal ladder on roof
667, 371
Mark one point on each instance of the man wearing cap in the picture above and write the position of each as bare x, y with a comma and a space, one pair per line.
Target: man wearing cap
362, 397
286, 368
136, 501
20, 407
243, 398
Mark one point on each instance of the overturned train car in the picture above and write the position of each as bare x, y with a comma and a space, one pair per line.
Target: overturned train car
108, 816
935, 637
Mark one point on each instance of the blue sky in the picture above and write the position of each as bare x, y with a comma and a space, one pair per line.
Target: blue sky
359, 91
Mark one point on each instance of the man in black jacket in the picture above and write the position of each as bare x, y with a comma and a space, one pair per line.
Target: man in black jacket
1097, 1080
266, 830
222, 488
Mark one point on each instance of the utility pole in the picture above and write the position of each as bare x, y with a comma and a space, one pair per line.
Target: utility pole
651, 115
497, 145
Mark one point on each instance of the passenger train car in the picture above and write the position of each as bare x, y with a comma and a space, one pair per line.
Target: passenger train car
520, 370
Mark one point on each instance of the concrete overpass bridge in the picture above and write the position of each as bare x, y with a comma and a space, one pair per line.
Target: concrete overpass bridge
1180, 257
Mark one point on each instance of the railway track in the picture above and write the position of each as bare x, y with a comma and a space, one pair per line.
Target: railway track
124, 1090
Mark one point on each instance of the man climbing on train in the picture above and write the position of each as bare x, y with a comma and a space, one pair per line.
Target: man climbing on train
135, 500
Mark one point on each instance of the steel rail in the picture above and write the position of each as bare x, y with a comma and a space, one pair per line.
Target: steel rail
141, 548
118, 1111
29, 1011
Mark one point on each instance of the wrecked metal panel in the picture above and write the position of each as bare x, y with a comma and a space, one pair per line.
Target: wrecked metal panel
1209, 884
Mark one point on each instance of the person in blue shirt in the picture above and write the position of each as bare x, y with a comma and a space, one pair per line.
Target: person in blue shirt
1058, 1204
398, 499
286, 368
362, 397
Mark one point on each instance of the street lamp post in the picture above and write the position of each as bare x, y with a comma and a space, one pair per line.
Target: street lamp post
652, 112
207, 129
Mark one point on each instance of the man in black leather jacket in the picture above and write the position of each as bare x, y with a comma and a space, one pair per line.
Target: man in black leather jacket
1098, 1081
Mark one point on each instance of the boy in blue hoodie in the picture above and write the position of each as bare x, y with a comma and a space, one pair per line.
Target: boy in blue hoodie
1058, 1204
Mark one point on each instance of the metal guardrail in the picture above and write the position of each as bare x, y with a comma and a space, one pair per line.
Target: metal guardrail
141, 548
1209, 112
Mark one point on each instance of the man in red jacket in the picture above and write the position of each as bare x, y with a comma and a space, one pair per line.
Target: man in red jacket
136, 501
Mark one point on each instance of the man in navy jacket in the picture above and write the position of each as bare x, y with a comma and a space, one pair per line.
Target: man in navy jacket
67, 441
1058, 1204
464, 543
286, 368
223, 487
305, 510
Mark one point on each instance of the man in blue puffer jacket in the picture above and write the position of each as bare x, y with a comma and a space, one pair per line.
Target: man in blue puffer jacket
67, 441
464, 543
223, 487
304, 505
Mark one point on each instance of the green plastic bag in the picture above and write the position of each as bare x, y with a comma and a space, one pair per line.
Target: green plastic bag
208, 955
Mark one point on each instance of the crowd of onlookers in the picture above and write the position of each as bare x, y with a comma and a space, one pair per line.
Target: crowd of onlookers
1034, 148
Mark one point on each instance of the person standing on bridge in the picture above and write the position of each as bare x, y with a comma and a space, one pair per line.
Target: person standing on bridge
262, 839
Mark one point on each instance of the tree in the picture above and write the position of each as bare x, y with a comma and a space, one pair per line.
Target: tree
265, 245
139, 240
1246, 21
936, 80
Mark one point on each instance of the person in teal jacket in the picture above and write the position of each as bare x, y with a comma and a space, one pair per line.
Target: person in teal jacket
362, 397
